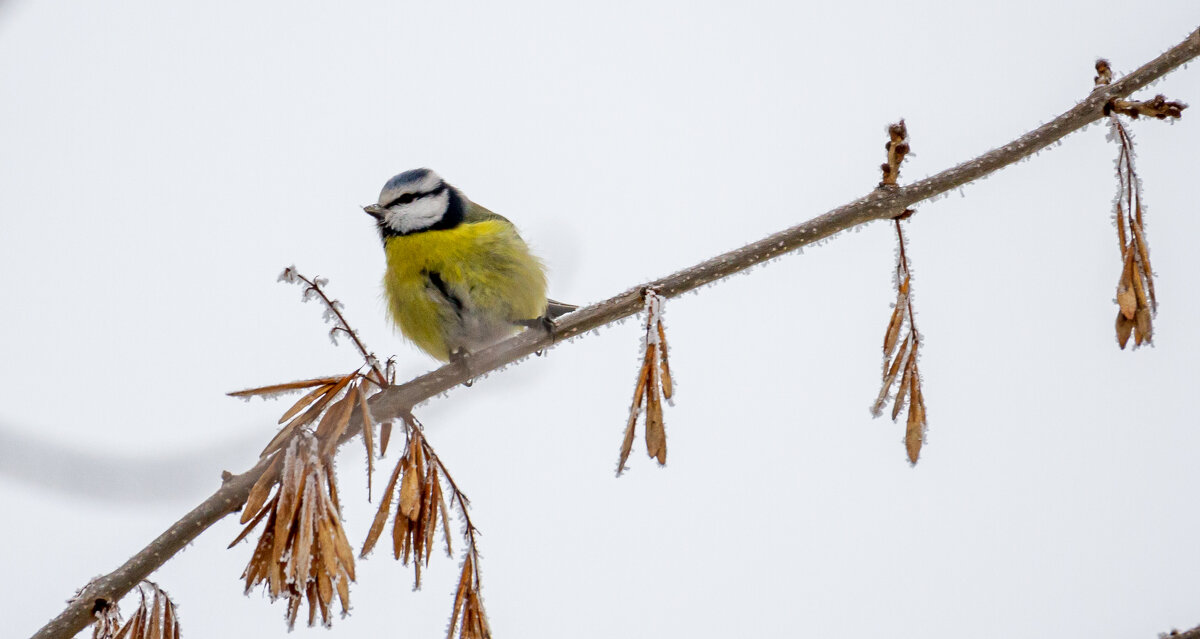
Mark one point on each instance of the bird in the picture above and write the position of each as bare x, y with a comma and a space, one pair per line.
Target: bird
459, 277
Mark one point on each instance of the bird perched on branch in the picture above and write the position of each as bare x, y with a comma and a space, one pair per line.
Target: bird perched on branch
459, 277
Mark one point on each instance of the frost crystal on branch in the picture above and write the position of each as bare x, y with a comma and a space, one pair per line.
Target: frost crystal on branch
653, 385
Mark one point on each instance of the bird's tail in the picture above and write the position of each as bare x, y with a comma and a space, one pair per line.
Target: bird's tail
554, 308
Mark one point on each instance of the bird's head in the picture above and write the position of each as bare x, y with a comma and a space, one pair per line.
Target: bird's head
415, 201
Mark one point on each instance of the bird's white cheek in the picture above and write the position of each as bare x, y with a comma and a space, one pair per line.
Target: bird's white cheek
418, 214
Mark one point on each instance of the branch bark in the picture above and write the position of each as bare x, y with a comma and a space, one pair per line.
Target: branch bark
394, 401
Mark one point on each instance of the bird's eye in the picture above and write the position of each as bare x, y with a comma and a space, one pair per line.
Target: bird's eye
406, 198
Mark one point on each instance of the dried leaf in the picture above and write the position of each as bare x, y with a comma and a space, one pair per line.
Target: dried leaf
303, 530
136, 625
258, 569
627, 443
410, 489
310, 590
303, 551
430, 513
249, 526
475, 619
639, 391
1139, 290
460, 595
914, 434
287, 432
170, 623
1124, 329
307, 416
260, 490
913, 438
123, 633
894, 325
280, 439
437, 489
889, 378
905, 383
325, 546
304, 401
368, 435
1142, 324
325, 594
668, 387
656, 437
293, 609
400, 524
156, 616
330, 430
154, 619
327, 465
635, 410
283, 388
291, 494
381, 515
1144, 257
1127, 301
343, 589
1121, 227
341, 547
385, 435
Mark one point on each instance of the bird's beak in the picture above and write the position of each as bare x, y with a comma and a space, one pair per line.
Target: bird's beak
375, 211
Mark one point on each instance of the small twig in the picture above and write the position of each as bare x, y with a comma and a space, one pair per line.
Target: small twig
901, 365
897, 149
314, 285
1136, 299
1157, 107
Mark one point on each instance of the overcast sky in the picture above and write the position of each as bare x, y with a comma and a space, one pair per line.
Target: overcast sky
162, 162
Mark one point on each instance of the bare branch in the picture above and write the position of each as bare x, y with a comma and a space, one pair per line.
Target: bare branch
878, 205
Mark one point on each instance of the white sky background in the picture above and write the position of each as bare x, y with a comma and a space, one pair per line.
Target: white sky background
161, 165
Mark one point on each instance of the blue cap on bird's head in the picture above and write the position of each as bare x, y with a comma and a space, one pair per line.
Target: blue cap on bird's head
414, 182
417, 200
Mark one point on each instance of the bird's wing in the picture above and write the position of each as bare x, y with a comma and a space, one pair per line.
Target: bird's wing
476, 213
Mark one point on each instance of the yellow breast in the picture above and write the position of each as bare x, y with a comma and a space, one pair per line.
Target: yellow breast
484, 265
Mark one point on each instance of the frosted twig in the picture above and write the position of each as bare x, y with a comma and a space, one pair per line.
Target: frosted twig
334, 310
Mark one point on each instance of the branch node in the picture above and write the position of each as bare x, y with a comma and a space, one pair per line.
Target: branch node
897, 148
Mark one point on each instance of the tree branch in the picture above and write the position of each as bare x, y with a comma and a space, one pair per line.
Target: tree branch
880, 204
394, 401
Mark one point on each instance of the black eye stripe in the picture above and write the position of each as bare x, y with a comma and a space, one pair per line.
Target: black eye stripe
405, 198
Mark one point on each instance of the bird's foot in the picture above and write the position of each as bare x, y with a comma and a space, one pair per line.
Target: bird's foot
545, 323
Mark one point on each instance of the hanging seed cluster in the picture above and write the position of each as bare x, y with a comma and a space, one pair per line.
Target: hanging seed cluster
654, 384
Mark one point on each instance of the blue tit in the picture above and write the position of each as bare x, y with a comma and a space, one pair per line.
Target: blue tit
459, 277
